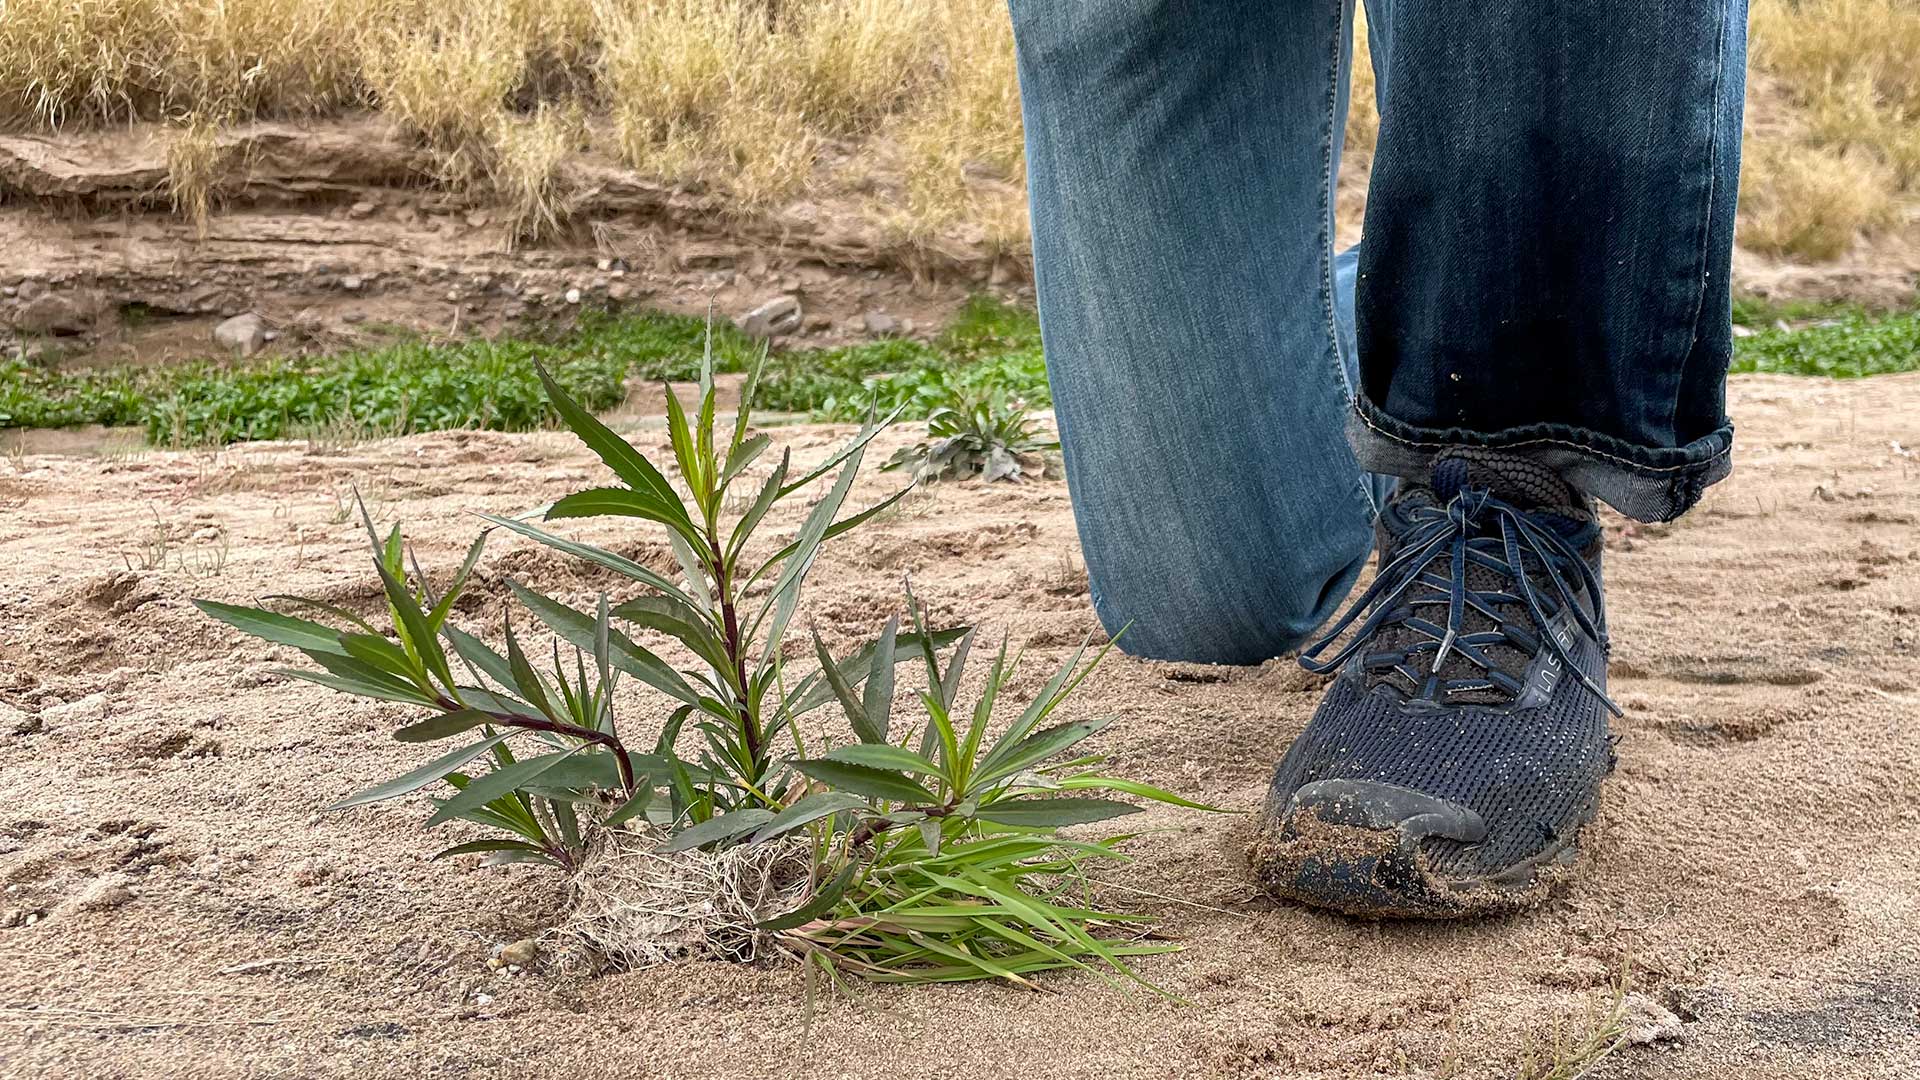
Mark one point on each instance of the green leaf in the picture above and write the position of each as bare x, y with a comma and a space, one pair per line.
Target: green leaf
742, 455
476, 847
1037, 748
812, 692
626, 462
849, 703
630, 809
865, 780
722, 827
359, 677
683, 624
808, 809
411, 621
280, 629
1134, 787
821, 902
883, 756
749, 521
852, 449
479, 654
620, 502
579, 630
501, 781
1052, 812
442, 726
852, 521
598, 556
438, 616
424, 775
786, 588
1058, 687
877, 697
524, 680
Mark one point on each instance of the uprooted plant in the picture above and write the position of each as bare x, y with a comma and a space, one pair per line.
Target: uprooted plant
925, 853
988, 435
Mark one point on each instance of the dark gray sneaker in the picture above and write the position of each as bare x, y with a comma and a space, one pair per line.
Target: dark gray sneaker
1463, 742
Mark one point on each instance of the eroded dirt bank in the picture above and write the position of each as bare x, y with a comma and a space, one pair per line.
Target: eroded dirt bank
195, 914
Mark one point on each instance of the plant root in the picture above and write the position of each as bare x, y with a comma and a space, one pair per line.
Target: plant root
633, 906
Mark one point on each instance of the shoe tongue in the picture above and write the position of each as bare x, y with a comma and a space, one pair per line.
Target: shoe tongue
1521, 481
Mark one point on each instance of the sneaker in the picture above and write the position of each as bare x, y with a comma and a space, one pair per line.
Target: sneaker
1464, 739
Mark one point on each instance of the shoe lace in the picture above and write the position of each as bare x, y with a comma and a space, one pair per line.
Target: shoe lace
1474, 528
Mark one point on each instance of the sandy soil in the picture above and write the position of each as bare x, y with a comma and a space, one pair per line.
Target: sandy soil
1753, 867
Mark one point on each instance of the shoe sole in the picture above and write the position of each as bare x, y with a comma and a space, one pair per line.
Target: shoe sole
1378, 873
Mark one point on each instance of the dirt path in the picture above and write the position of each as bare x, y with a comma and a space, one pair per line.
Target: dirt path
197, 915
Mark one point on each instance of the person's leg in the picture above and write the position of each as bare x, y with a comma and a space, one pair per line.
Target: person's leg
1180, 157
1542, 317
1548, 235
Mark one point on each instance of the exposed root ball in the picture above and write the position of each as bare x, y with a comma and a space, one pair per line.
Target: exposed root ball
634, 907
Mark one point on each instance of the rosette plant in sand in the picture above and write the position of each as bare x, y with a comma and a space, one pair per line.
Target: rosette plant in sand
905, 850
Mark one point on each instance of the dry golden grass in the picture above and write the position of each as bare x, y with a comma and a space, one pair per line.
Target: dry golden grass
748, 96
1848, 154
529, 156
1811, 201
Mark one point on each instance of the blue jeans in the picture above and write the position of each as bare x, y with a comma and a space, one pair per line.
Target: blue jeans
1544, 270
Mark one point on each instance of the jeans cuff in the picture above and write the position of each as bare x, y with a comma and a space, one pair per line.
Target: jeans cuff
1644, 483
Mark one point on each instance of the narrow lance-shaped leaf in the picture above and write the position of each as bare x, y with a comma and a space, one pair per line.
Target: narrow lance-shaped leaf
809, 809
620, 456
786, 588
849, 703
438, 616
484, 789
722, 827
579, 630
424, 775
619, 564
271, 626
442, 726
877, 696
1053, 812
864, 780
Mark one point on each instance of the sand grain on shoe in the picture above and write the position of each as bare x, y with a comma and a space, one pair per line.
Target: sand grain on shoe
176, 903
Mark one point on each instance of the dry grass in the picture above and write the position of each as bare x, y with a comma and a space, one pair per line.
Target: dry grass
1848, 154
195, 162
763, 98
1811, 201
529, 170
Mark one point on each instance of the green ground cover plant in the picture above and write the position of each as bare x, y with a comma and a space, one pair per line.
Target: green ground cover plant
415, 385
1845, 345
990, 349
928, 843
986, 435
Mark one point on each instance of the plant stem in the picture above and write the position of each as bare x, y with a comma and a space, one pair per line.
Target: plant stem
751, 737
540, 723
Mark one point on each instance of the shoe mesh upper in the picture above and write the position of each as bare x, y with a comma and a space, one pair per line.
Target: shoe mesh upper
1532, 774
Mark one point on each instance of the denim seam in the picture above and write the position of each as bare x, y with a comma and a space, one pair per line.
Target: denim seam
1329, 131
1327, 179
1706, 208
1581, 447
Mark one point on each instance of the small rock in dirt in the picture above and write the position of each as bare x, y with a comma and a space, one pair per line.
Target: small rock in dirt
880, 324
361, 209
776, 317
59, 313
573, 296
520, 953
103, 894
1647, 1022
245, 334
20, 721
352, 283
